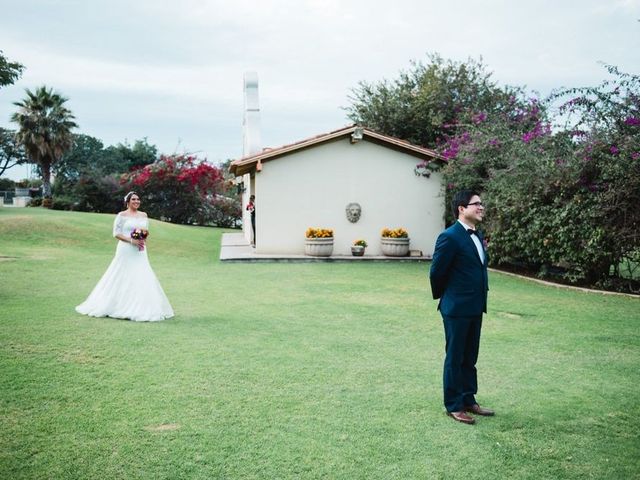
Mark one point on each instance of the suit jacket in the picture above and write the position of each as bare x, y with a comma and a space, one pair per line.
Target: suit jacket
458, 276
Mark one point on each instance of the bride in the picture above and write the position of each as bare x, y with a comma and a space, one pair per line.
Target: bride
129, 288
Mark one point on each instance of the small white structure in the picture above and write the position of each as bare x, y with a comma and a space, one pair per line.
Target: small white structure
251, 143
311, 182
21, 201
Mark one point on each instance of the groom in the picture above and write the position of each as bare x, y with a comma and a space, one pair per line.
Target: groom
459, 279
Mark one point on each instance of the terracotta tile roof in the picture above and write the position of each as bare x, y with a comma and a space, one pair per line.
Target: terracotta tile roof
249, 163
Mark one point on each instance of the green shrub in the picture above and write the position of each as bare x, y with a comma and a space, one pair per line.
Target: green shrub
7, 184
98, 194
558, 202
63, 203
222, 212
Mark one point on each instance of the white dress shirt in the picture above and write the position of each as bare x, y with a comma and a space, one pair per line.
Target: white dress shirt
475, 239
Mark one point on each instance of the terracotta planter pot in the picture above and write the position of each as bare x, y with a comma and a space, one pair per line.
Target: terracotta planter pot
318, 247
394, 247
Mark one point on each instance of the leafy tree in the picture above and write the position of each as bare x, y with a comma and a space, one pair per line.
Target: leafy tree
558, 200
102, 194
181, 189
11, 152
87, 157
84, 158
9, 71
604, 124
44, 130
87, 175
7, 184
486, 146
425, 104
124, 157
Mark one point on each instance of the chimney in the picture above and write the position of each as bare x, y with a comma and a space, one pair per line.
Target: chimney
251, 123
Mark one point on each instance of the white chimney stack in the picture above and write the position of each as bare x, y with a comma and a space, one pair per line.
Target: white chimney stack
252, 143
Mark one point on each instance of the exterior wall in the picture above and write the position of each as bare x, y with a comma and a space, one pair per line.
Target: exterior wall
249, 189
312, 187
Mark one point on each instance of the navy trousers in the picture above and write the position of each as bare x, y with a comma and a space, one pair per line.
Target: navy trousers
460, 378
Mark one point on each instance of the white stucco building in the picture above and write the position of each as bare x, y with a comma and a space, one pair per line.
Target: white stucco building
310, 183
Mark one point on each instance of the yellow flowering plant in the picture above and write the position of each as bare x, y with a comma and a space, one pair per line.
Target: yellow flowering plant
319, 233
360, 243
394, 233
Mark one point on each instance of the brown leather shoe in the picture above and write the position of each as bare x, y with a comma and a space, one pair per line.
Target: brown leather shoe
478, 410
462, 417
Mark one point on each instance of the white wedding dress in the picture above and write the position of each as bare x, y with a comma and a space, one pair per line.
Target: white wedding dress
129, 288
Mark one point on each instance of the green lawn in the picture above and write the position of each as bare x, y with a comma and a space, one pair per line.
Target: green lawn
275, 371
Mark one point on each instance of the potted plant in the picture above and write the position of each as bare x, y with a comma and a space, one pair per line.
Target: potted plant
357, 249
318, 242
394, 242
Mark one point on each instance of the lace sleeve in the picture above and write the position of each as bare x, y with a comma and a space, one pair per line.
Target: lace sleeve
118, 224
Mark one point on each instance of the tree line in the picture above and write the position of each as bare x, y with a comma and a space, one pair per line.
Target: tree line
94, 178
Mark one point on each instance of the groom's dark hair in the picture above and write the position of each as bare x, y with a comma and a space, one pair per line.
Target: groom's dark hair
461, 199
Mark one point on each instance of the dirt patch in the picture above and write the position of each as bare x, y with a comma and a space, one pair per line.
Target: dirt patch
25, 349
80, 357
163, 427
513, 316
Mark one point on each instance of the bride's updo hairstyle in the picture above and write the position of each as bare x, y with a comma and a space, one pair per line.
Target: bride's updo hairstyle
127, 198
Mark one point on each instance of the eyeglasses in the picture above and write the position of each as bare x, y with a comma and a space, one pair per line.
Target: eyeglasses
475, 204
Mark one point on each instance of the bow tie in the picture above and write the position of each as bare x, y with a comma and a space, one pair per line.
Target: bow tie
472, 232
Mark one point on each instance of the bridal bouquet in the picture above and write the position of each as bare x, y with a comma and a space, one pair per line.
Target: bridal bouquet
140, 234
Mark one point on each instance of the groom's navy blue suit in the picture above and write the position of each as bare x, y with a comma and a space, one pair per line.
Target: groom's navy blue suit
459, 279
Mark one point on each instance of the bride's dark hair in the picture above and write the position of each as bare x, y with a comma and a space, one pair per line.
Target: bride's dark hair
127, 198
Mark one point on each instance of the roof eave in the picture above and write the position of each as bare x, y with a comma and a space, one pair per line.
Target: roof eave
247, 164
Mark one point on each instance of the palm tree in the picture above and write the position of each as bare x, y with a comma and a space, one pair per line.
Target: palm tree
44, 129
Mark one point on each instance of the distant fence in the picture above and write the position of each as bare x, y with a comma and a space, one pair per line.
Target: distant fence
7, 196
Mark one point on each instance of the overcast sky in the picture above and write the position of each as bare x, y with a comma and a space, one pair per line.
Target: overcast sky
172, 71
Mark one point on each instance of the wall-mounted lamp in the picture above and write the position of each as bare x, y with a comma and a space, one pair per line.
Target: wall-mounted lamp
357, 134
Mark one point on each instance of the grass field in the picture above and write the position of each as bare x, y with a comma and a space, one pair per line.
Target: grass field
296, 370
